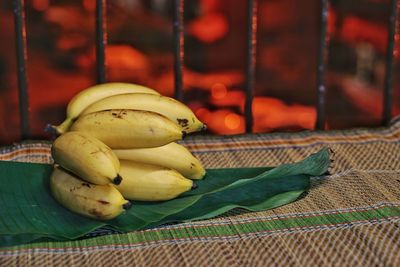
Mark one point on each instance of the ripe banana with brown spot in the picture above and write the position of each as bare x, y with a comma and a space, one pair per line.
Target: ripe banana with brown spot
94, 93
172, 155
103, 202
87, 157
123, 128
167, 106
146, 182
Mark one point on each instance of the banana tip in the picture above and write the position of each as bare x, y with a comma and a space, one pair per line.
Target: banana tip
184, 134
204, 127
127, 205
194, 186
117, 180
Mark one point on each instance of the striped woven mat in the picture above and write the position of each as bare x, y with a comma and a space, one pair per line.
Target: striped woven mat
349, 218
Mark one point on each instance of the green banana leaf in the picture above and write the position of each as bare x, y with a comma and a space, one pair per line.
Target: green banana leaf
29, 213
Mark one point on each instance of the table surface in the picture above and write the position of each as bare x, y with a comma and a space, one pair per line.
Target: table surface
348, 218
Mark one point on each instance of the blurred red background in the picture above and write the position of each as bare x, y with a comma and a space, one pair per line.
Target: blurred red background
61, 60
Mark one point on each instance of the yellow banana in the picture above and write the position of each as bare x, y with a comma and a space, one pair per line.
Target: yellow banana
146, 182
101, 202
172, 155
94, 93
87, 157
128, 128
169, 107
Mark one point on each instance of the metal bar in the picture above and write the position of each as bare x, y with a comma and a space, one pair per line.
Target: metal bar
321, 88
250, 62
178, 48
20, 36
388, 82
101, 40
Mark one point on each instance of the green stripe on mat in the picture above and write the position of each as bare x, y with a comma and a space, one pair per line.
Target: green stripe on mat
188, 231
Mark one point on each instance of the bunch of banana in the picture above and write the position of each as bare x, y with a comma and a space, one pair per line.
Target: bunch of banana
118, 144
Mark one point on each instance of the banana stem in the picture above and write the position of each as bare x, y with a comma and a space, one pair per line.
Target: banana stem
51, 129
60, 129
65, 125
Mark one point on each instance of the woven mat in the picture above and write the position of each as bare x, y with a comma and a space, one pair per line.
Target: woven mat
349, 218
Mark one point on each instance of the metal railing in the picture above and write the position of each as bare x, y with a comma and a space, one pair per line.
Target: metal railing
252, 10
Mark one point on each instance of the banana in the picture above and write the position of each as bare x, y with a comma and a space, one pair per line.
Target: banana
167, 106
94, 93
101, 202
87, 157
146, 182
128, 128
172, 155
